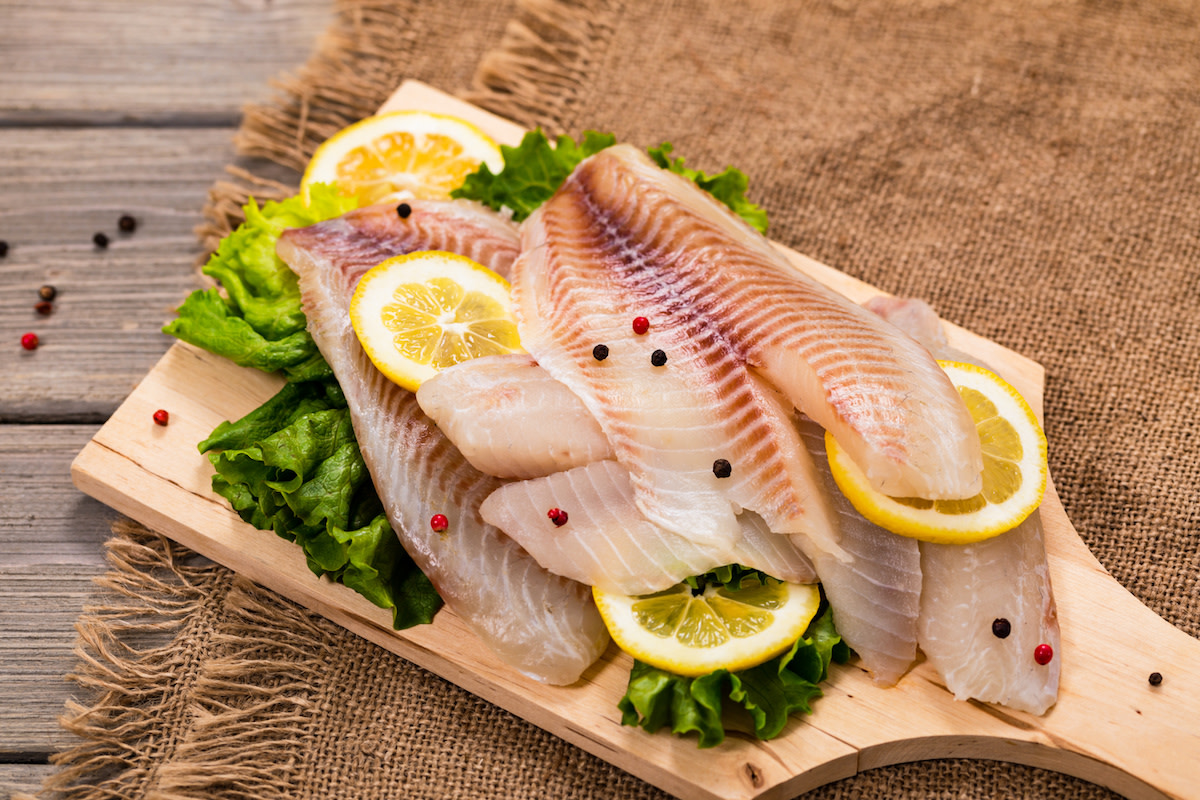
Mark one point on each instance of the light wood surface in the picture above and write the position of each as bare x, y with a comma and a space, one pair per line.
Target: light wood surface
1108, 726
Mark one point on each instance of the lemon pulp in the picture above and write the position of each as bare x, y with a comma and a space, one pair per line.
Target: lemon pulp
1014, 470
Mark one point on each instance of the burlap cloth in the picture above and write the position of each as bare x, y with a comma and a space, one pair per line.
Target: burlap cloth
1032, 170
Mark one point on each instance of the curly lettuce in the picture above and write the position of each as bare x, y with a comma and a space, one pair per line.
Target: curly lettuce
535, 169
293, 465
765, 695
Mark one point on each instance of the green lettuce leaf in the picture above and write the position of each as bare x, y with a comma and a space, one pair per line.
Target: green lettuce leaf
293, 466
728, 186
535, 169
708, 705
532, 172
255, 319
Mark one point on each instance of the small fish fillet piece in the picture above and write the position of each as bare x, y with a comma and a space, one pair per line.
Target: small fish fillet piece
968, 587
590, 264
623, 238
511, 419
545, 626
876, 595
607, 542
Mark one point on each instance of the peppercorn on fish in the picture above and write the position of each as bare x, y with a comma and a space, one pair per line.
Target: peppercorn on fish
623, 238
968, 587
608, 248
608, 543
544, 625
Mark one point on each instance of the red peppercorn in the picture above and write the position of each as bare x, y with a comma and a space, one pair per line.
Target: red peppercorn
439, 522
29, 341
557, 516
640, 325
161, 417
1043, 654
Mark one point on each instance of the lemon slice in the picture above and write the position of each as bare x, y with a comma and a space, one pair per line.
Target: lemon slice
694, 634
417, 153
1014, 470
419, 313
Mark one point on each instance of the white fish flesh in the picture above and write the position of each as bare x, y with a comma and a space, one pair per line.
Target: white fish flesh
511, 419
875, 595
544, 625
968, 587
623, 238
607, 542
676, 400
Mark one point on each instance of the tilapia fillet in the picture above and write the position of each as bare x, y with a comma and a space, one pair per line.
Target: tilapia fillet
584, 274
543, 625
876, 594
608, 543
968, 587
511, 419
623, 238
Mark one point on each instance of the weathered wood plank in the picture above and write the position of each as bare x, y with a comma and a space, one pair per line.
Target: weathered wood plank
44, 519
23, 777
38, 609
57, 189
166, 62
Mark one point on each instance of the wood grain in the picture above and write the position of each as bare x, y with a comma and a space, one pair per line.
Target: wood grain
23, 777
58, 188
1108, 726
122, 62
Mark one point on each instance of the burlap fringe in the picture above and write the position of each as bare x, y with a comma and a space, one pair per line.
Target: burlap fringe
353, 71
548, 52
151, 598
198, 677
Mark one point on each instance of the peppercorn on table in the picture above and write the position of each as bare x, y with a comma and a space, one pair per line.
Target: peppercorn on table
119, 120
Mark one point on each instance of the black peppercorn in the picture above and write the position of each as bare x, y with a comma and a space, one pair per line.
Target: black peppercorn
127, 224
100, 240
47, 292
1155, 678
45, 308
722, 468
600, 352
658, 358
1001, 628
404, 209
3, 248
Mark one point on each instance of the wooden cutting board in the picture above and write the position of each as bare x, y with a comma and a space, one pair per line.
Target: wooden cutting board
1109, 725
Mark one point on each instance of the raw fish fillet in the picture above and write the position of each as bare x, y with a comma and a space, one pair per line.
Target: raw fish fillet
511, 419
967, 587
623, 238
541, 624
876, 596
608, 543
594, 258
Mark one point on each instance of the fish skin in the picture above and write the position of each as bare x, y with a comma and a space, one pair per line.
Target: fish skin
716, 287
608, 543
876, 595
511, 419
969, 586
575, 287
545, 626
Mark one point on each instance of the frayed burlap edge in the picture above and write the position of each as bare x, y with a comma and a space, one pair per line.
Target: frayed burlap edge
193, 713
546, 56
351, 73
148, 595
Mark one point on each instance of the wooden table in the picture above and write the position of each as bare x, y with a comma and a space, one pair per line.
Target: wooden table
107, 107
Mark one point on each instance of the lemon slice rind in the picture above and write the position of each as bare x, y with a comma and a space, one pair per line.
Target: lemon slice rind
435, 288
901, 516
477, 148
663, 649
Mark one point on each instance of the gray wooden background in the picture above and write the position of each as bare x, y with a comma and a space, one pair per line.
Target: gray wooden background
107, 107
